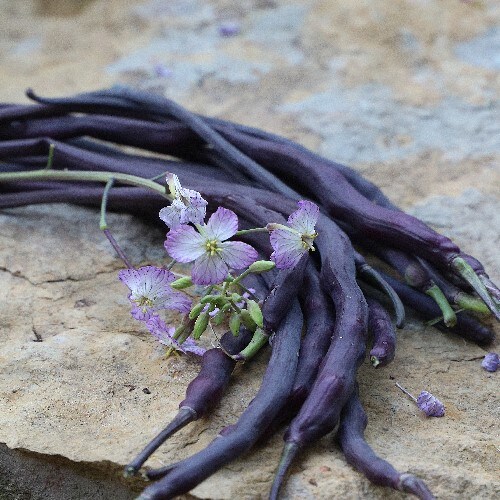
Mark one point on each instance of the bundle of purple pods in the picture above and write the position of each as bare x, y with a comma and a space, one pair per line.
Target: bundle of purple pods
332, 294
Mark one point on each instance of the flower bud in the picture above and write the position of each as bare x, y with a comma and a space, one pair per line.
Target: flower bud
247, 320
221, 314
218, 300
255, 313
182, 283
200, 325
196, 310
261, 266
234, 324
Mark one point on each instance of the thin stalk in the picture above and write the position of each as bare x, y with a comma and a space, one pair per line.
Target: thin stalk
103, 225
83, 176
463, 269
50, 159
183, 417
406, 392
449, 316
242, 232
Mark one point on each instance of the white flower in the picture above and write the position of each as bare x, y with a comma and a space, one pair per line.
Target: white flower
188, 205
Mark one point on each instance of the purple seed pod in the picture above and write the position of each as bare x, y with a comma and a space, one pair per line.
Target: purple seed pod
490, 362
430, 405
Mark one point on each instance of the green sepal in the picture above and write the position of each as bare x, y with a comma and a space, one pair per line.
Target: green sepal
234, 324
181, 283
200, 325
196, 310
255, 312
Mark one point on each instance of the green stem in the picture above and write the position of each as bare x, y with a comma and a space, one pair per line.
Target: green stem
104, 204
463, 269
50, 159
84, 176
245, 289
237, 280
470, 303
259, 340
249, 231
103, 225
449, 316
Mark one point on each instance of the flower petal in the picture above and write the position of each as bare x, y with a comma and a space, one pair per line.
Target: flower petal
304, 219
190, 345
172, 214
209, 270
163, 333
148, 282
237, 254
288, 248
139, 313
195, 212
178, 301
184, 244
222, 224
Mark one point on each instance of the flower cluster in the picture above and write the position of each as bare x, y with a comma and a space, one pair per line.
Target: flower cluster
214, 256
206, 245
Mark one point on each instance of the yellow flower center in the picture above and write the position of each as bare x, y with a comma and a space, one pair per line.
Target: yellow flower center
211, 246
307, 241
144, 302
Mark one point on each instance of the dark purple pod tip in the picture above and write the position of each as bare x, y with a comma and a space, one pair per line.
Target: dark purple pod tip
430, 405
490, 362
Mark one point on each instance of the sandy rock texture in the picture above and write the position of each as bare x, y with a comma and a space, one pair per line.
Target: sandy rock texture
406, 91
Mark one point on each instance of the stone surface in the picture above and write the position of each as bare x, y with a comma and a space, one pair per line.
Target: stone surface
405, 91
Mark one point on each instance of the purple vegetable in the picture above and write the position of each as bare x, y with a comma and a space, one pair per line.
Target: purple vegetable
384, 336
162, 126
276, 385
336, 377
466, 327
416, 276
203, 393
371, 275
360, 455
320, 323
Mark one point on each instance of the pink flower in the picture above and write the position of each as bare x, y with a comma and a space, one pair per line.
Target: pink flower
291, 242
150, 290
213, 256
